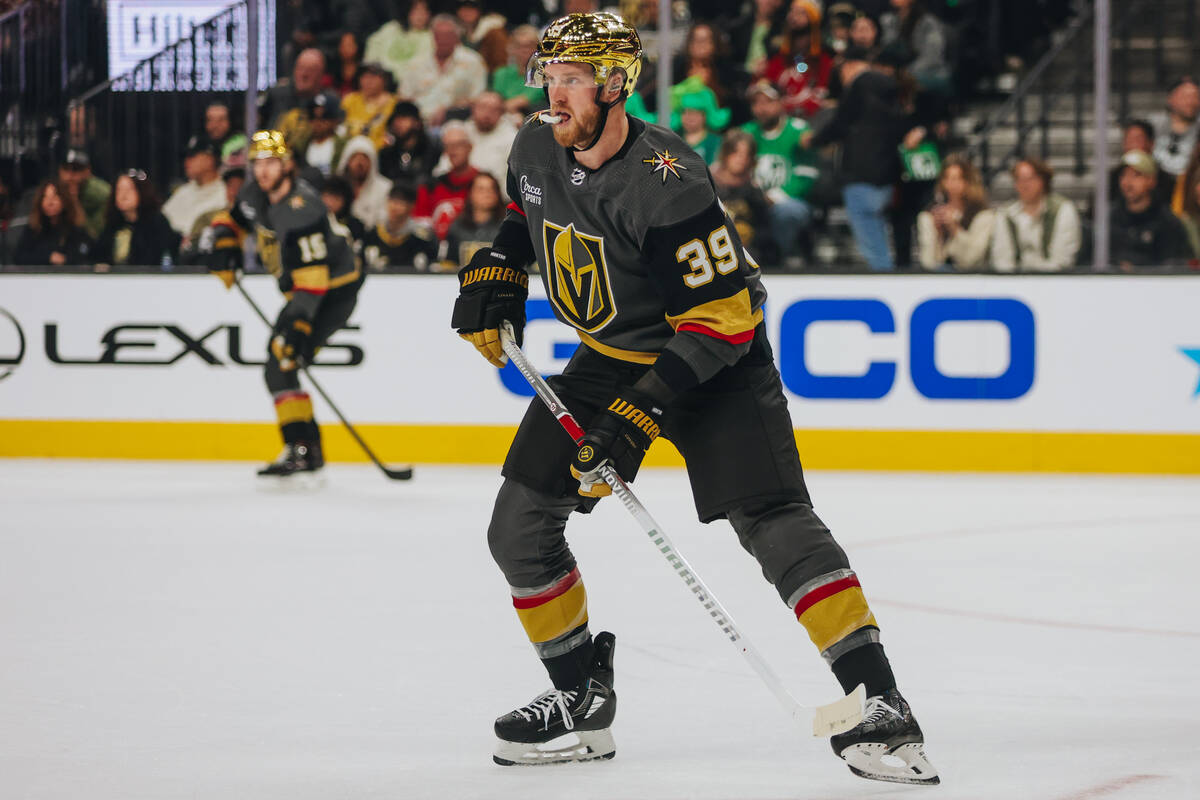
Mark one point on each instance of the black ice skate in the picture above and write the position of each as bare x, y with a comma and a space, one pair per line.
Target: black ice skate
296, 457
581, 718
888, 744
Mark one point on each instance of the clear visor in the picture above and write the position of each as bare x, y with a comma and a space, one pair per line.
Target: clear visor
536, 77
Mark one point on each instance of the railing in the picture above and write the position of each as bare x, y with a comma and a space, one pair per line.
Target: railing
144, 117
47, 53
1061, 81
1048, 88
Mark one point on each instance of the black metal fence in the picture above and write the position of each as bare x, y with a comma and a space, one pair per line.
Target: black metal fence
1051, 113
48, 53
143, 118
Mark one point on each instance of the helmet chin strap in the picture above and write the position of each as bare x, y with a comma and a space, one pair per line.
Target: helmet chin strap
604, 109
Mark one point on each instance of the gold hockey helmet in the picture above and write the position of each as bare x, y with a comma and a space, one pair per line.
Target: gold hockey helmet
601, 39
269, 144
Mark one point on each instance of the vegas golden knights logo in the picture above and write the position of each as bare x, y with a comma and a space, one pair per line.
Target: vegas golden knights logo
578, 274
268, 250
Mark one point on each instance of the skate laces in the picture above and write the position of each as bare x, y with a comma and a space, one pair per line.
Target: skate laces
877, 710
543, 707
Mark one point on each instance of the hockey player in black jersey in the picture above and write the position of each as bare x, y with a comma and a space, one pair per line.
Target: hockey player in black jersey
316, 270
639, 257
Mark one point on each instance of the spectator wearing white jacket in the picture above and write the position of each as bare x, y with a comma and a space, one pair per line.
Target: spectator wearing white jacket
359, 164
1040, 231
956, 231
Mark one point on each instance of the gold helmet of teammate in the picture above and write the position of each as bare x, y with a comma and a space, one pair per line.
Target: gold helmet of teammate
601, 39
269, 144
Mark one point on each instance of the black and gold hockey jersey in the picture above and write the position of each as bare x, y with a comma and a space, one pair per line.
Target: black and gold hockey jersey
638, 250
297, 240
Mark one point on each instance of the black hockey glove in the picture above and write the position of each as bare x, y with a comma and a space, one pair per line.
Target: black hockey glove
619, 436
491, 289
289, 343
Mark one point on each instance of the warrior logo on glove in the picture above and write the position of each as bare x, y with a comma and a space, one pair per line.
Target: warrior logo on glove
618, 437
490, 292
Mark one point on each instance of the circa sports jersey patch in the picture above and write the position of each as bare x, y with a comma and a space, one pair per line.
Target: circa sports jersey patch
663, 163
578, 176
578, 275
531, 194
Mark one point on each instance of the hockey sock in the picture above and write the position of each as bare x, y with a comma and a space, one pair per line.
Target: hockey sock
554, 616
834, 611
571, 669
867, 665
293, 408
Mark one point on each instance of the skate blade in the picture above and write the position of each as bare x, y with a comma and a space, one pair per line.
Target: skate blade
296, 482
905, 764
582, 746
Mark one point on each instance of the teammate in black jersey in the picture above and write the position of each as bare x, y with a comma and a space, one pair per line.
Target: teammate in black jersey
639, 257
310, 255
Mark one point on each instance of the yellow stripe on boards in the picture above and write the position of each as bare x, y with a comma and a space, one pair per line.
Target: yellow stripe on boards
921, 451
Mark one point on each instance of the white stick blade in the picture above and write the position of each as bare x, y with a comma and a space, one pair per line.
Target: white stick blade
840, 715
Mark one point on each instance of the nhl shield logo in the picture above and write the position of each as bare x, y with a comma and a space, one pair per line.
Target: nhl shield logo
578, 273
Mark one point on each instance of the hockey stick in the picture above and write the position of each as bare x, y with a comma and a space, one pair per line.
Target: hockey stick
828, 720
397, 474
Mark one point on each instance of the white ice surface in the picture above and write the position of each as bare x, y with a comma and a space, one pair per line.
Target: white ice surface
169, 630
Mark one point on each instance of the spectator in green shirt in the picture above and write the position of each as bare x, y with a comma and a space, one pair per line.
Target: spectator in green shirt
786, 171
697, 118
509, 80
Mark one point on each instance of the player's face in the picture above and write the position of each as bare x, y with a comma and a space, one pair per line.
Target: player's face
268, 173
573, 97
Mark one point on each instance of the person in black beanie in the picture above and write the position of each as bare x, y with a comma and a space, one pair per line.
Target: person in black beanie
410, 153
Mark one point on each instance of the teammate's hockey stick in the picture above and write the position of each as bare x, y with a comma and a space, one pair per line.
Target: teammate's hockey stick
397, 474
828, 720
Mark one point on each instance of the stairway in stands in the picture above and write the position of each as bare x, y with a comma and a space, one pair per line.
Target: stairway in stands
1154, 42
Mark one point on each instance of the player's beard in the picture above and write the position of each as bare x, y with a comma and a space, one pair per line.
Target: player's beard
580, 129
283, 176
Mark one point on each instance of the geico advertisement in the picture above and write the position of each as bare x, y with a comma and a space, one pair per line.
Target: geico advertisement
855, 352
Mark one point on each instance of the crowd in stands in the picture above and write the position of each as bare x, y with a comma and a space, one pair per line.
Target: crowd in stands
402, 114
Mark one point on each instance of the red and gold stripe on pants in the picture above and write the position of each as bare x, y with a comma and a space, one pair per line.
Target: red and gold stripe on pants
554, 610
831, 607
293, 407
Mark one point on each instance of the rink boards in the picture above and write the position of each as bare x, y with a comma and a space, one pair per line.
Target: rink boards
930, 372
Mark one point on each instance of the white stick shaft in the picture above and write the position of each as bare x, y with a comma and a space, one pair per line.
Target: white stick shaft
660, 539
